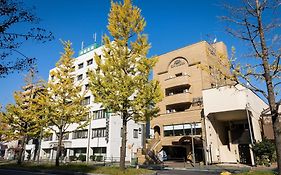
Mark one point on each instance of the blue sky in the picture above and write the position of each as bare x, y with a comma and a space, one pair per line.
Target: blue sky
170, 25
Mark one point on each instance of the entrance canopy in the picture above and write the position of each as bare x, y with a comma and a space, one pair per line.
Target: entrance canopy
188, 140
234, 115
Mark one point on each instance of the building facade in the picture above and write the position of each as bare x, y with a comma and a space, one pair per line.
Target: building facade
102, 137
183, 129
182, 80
233, 124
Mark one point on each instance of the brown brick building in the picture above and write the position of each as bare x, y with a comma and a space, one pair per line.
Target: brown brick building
183, 74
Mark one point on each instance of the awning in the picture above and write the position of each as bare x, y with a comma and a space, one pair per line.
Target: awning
188, 139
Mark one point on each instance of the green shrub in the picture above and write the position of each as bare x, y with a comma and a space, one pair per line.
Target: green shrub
99, 158
93, 157
264, 152
72, 158
82, 157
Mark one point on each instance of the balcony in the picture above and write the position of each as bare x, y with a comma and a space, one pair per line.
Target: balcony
171, 118
178, 107
176, 81
177, 98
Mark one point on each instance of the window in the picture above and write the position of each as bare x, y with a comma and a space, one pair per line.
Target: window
52, 77
78, 151
49, 138
86, 101
179, 74
64, 137
89, 62
86, 86
135, 133
178, 130
168, 130
99, 132
79, 77
80, 134
80, 66
99, 114
99, 150
183, 129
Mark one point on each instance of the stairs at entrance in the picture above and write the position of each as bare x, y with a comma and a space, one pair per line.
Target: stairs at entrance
149, 155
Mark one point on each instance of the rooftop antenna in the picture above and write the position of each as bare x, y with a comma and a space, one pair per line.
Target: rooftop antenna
95, 37
82, 45
215, 40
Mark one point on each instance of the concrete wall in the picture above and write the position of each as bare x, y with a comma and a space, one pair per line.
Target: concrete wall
229, 104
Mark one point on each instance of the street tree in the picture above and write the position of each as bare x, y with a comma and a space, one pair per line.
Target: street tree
63, 104
18, 24
3, 125
21, 119
121, 80
257, 23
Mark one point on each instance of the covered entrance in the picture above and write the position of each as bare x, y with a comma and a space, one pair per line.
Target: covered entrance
187, 148
232, 134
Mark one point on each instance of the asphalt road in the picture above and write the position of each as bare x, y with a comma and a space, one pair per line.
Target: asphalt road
19, 172
185, 172
162, 172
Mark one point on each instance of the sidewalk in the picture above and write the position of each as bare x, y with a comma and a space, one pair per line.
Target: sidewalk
233, 168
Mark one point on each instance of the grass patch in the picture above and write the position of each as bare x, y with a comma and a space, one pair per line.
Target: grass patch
78, 168
258, 173
117, 171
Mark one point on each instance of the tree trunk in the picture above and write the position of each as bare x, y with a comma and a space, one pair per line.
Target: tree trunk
39, 145
22, 150
123, 142
270, 89
277, 136
59, 148
35, 149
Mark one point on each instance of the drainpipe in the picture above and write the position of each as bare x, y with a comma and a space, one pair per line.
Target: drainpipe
204, 138
89, 137
192, 144
251, 136
249, 123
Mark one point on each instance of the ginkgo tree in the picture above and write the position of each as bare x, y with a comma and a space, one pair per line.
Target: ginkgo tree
63, 102
121, 80
21, 120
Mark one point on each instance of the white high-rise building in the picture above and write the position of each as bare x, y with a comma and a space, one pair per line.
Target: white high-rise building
102, 137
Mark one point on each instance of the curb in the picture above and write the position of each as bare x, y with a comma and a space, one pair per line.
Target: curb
217, 169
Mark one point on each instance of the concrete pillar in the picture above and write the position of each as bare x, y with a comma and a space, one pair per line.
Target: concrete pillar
67, 152
229, 140
91, 152
252, 155
52, 154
